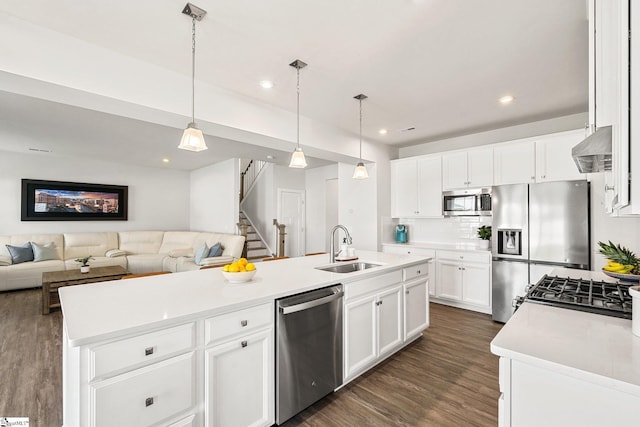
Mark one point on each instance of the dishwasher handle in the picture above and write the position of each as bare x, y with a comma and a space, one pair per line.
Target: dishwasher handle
313, 303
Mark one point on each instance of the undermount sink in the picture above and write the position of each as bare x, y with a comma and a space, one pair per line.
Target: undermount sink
348, 268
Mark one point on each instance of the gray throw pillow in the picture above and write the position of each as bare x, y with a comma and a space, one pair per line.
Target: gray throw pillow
202, 252
216, 250
20, 254
44, 252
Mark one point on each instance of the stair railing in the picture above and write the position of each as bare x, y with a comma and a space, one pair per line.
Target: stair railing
280, 233
249, 175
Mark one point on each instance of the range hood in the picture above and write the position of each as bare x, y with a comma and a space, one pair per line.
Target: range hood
594, 153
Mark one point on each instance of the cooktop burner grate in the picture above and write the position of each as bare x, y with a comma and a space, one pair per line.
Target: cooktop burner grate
611, 299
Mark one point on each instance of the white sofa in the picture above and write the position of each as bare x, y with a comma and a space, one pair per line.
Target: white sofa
137, 251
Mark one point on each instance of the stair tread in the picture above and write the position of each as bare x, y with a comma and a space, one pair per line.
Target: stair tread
257, 248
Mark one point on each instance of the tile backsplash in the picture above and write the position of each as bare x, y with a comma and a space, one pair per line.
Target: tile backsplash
455, 229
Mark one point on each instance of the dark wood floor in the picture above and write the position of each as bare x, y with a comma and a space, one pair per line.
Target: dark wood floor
446, 378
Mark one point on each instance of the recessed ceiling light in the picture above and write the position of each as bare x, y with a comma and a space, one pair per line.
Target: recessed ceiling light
508, 99
165, 160
266, 84
382, 131
270, 157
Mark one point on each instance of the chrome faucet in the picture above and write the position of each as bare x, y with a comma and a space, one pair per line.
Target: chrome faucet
332, 251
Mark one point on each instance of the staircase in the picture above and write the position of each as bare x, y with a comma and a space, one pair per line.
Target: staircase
256, 250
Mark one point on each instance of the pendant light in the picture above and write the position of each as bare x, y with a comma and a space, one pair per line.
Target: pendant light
192, 137
297, 157
360, 172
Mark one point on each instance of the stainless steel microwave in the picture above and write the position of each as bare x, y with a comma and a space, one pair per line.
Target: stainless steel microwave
471, 202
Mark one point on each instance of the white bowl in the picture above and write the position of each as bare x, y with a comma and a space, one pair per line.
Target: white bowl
240, 277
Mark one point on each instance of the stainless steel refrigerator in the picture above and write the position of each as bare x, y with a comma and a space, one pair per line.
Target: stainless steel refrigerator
536, 228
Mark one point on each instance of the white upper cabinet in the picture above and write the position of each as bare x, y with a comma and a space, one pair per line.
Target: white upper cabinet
613, 98
553, 156
416, 187
465, 169
514, 162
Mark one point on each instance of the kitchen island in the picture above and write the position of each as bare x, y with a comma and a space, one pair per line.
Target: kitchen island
562, 367
175, 349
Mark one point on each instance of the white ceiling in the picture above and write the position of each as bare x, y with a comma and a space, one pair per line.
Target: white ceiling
436, 65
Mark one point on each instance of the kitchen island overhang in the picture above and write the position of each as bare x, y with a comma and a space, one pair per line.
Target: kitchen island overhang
157, 350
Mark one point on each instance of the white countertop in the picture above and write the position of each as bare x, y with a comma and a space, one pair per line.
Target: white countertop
451, 246
592, 347
104, 310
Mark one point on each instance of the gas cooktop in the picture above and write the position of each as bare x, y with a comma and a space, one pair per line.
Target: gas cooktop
611, 299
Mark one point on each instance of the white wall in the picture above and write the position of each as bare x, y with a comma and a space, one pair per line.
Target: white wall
158, 198
358, 206
543, 127
214, 197
316, 191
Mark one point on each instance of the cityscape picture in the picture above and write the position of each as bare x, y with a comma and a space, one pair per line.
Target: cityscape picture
69, 201
47, 200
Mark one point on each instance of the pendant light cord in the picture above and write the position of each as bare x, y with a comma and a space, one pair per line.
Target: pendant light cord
193, 70
298, 106
360, 130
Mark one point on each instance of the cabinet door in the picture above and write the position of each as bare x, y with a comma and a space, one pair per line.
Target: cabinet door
415, 308
239, 382
553, 157
480, 167
359, 335
145, 396
430, 187
476, 279
390, 321
404, 188
514, 163
454, 170
449, 284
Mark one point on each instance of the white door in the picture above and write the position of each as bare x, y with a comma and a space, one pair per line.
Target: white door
389, 320
449, 279
291, 213
359, 335
239, 382
476, 279
415, 308
404, 188
454, 171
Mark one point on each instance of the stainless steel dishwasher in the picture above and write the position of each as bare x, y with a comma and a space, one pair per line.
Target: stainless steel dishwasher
308, 349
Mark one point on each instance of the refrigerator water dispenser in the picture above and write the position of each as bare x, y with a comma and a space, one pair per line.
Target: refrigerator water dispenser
509, 242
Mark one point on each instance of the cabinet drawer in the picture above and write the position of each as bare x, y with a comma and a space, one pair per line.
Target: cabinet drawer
414, 271
230, 324
145, 396
140, 350
465, 256
189, 421
371, 285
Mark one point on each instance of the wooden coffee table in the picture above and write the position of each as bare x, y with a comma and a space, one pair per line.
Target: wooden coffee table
53, 280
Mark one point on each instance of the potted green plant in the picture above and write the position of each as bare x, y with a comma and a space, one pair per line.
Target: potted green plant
84, 268
484, 233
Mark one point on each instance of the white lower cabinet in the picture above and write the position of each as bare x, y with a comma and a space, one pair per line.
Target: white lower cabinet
145, 396
533, 396
464, 279
239, 381
372, 321
412, 250
213, 371
416, 308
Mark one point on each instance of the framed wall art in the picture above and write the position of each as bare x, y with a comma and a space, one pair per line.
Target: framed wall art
72, 201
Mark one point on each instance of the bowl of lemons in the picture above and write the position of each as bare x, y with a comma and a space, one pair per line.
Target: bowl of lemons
240, 271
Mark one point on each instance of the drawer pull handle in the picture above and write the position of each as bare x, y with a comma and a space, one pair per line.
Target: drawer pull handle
419, 272
244, 323
148, 351
244, 344
148, 401
406, 292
